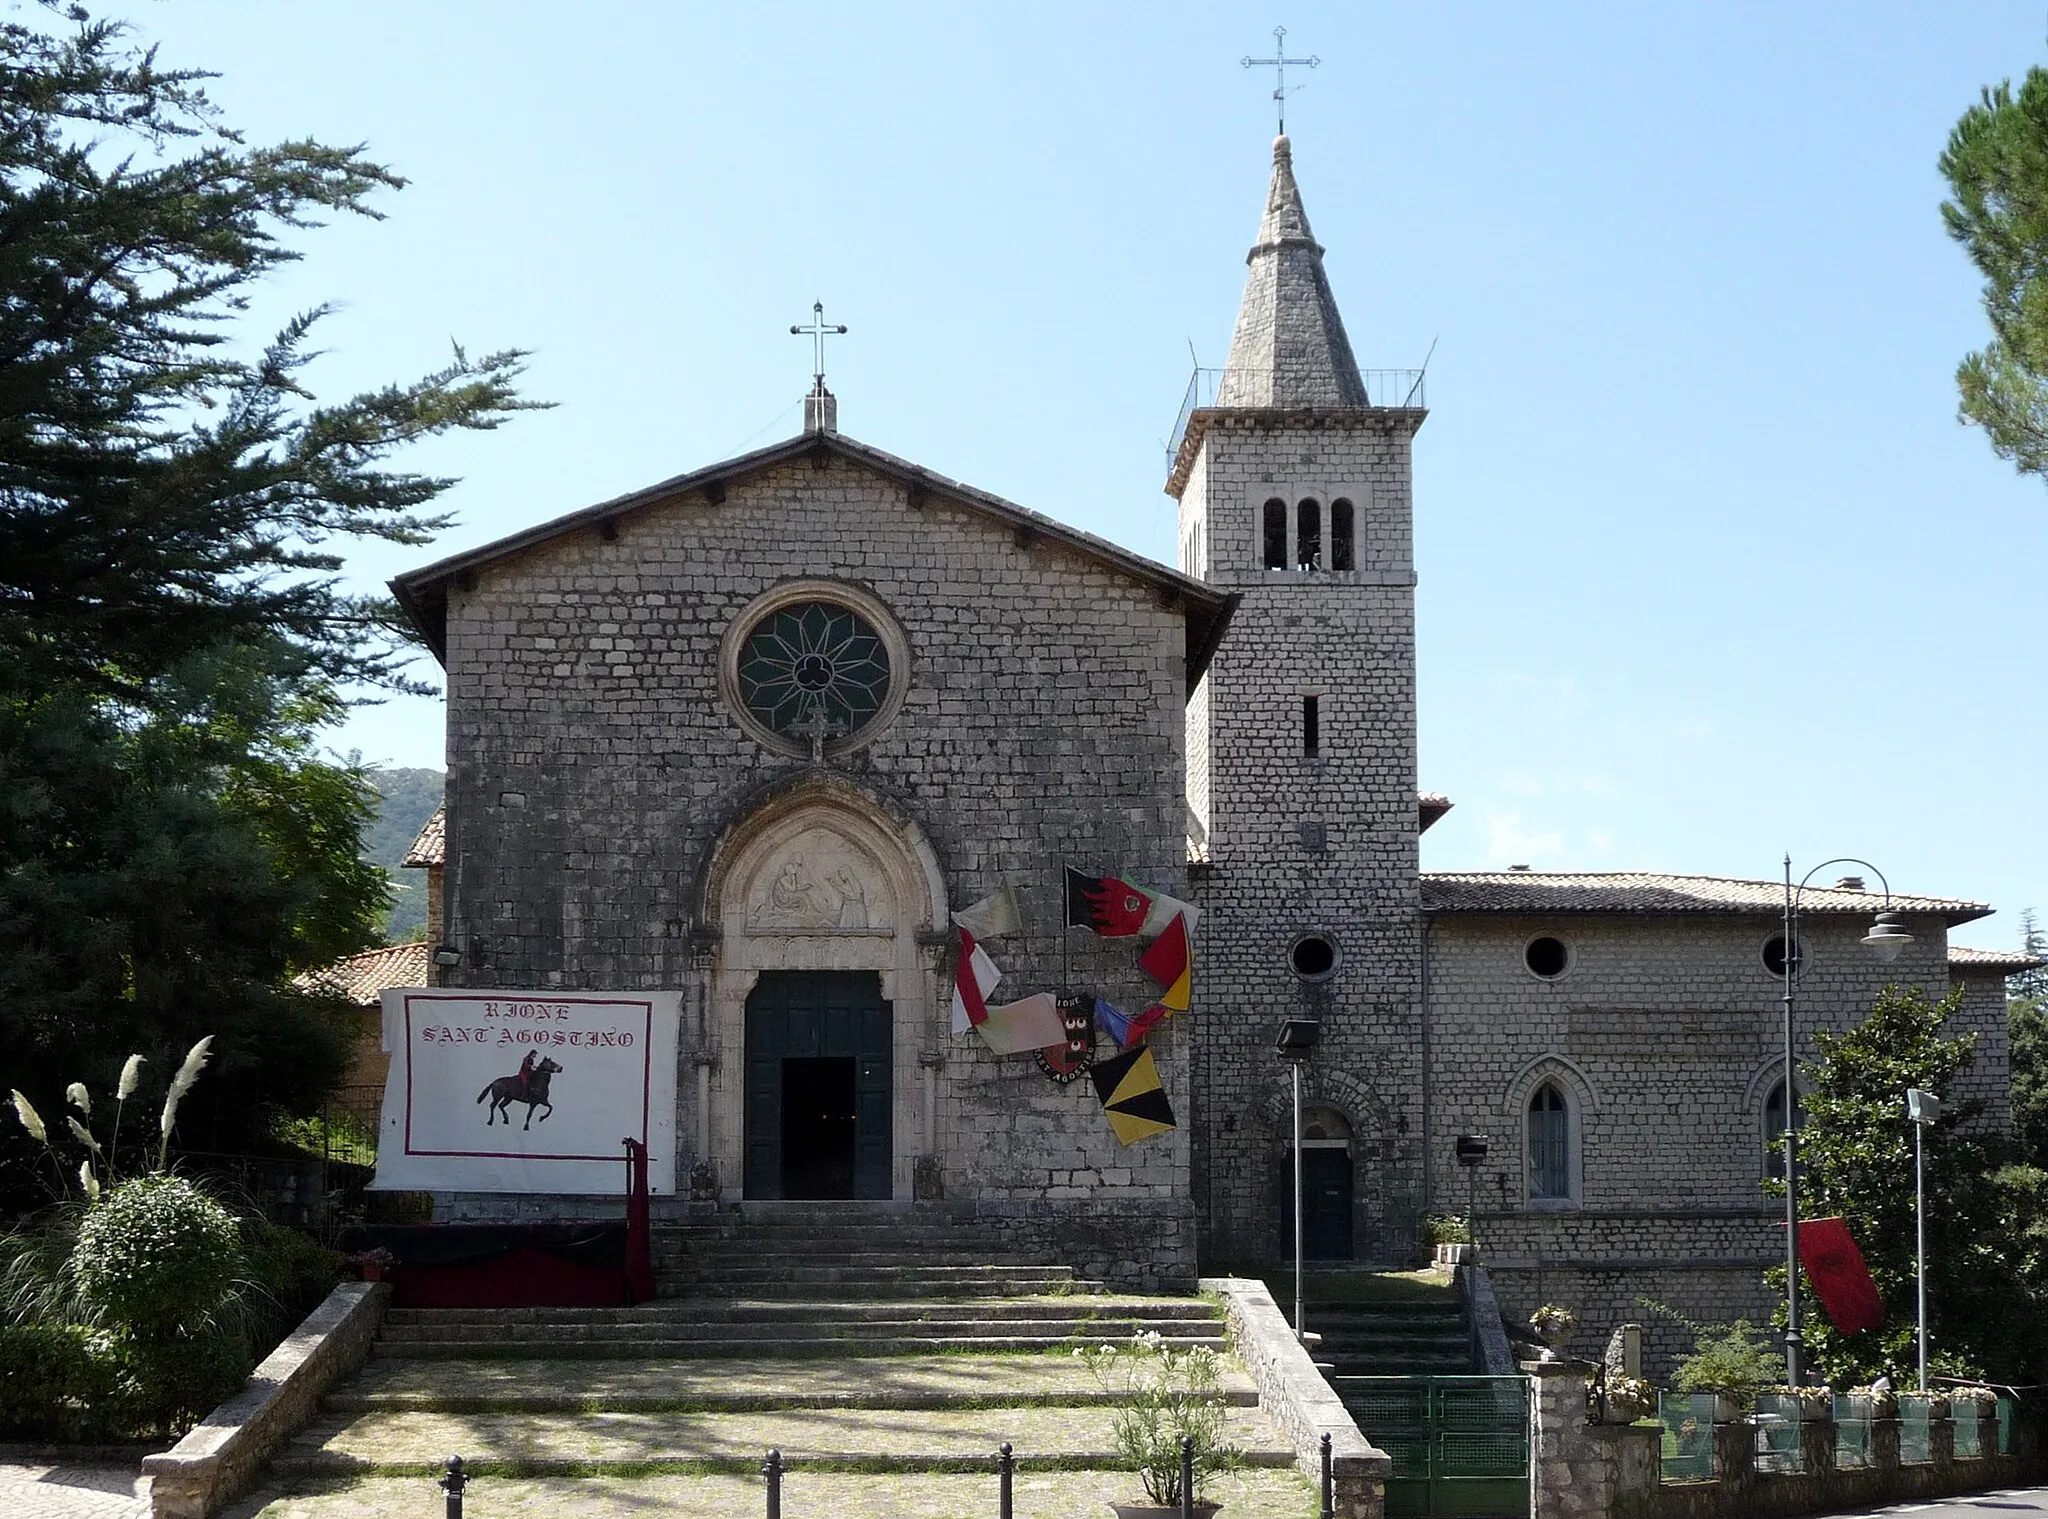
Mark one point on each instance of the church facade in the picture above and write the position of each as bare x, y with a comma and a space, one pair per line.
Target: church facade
754, 734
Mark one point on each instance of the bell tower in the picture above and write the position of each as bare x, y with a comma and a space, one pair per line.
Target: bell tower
1292, 469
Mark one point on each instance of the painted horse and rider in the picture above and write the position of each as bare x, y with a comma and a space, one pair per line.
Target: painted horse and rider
529, 1085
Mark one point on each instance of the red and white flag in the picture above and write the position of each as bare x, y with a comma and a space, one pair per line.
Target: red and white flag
973, 979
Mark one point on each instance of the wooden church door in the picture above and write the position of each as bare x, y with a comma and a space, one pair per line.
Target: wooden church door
818, 1093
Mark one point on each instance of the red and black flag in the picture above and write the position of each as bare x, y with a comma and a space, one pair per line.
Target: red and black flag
1117, 909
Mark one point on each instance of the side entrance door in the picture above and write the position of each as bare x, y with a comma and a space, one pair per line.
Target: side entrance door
818, 1064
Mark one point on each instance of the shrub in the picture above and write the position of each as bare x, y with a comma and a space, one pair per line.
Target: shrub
170, 1384
59, 1382
156, 1257
1735, 1359
293, 1271
1445, 1229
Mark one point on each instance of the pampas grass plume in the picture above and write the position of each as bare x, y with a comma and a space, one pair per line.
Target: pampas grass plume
82, 1134
88, 1181
30, 1118
80, 1098
131, 1078
195, 1062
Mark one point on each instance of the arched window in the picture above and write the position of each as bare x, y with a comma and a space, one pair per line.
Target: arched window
1550, 1146
1342, 555
1774, 1132
1308, 539
1276, 534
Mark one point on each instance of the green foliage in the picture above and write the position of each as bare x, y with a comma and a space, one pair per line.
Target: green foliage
1996, 164
59, 1382
2026, 1023
1445, 1229
1736, 1359
1987, 1269
173, 636
405, 800
157, 1258
1164, 1394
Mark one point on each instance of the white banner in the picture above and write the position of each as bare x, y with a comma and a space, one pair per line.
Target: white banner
497, 1091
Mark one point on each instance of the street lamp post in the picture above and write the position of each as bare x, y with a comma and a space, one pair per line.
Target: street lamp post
1923, 1108
1297, 1042
1471, 1152
1886, 938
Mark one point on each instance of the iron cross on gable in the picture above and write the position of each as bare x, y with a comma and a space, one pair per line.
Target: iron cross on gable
817, 728
1278, 63
817, 331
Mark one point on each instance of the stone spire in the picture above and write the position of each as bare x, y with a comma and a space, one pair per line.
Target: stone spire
1289, 348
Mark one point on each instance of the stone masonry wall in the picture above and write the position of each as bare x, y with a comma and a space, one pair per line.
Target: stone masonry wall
1299, 844
593, 766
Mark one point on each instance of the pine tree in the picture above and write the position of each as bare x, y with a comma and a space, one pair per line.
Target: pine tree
173, 509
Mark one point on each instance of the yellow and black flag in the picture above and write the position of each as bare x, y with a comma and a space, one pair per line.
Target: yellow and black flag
1132, 1098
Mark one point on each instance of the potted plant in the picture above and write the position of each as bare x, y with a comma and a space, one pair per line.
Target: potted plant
1626, 1399
1812, 1402
1554, 1325
1163, 1394
371, 1264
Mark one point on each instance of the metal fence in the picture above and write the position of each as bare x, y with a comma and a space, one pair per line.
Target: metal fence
1383, 387
456, 1484
1688, 1444
1460, 1445
1967, 1443
1916, 1446
1852, 1430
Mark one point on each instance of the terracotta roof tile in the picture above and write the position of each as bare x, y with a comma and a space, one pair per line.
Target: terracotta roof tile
2005, 961
360, 978
431, 847
1526, 891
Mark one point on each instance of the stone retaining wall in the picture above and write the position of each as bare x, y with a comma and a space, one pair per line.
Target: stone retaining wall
223, 1452
1293, 1394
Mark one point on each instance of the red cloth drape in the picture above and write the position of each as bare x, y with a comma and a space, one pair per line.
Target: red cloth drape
1840, 1278
639, 1237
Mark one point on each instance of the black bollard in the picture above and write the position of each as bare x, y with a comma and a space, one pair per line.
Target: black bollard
1329, 1484
772, 1470
1005, 1465
1187, 1477
453, 1484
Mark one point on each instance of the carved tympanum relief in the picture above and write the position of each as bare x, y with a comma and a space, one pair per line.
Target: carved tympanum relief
820, 882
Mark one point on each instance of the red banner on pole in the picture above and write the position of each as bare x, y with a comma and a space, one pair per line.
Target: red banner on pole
1840, 1278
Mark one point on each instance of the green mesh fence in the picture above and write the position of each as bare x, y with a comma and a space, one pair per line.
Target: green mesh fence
1777, 1433
1460, 1445
1688, 1420
1965, 1415
2005, 1426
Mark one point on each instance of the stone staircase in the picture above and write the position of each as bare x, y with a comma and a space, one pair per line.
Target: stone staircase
1390, 1324
886, 1360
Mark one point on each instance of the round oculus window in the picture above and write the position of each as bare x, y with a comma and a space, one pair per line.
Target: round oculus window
1775, 957
1313, 957
813, 668
1547, 957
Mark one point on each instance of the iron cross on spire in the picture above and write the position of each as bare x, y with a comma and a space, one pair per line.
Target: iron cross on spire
818, 330
1279, 63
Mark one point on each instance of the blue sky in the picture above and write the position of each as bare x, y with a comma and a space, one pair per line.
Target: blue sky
1709, 572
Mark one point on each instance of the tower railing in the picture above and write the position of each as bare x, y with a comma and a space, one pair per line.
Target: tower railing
1401, 388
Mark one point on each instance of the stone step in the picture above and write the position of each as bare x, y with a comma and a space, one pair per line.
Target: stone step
657, 1336
399, 1442
747, 1346
875, 1286
721, 1256
737, 1310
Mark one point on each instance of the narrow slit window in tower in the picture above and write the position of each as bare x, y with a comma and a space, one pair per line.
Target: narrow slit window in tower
1309, 535
1342, 556
1276, 535
1311, 727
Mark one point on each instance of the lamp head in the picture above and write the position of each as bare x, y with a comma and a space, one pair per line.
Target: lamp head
1922, 1107
1298, 1036
1887, 936
1472, 1148
446, 955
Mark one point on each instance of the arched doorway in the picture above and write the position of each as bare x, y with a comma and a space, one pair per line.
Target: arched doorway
1326, 1186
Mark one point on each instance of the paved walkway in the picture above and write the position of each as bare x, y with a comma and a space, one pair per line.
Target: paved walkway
30, 1491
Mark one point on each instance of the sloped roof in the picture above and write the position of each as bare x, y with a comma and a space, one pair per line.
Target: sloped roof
1432, 805
1527, 891
2003, 962
431, 847
424, 592
362, 977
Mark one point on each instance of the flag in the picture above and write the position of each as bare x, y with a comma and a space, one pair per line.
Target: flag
1170, 962
973, 979
1840, 1278
993, 916
1132, 1098
1111, 1020
1116, 909
1145, 1022
1063, 1062
1018, 1027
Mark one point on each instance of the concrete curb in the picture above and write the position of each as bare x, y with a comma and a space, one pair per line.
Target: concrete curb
217, 1460
1297, 1399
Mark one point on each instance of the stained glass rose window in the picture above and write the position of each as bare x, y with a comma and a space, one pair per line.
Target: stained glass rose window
812, 660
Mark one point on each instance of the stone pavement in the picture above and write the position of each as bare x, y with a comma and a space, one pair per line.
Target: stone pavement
35, 1490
